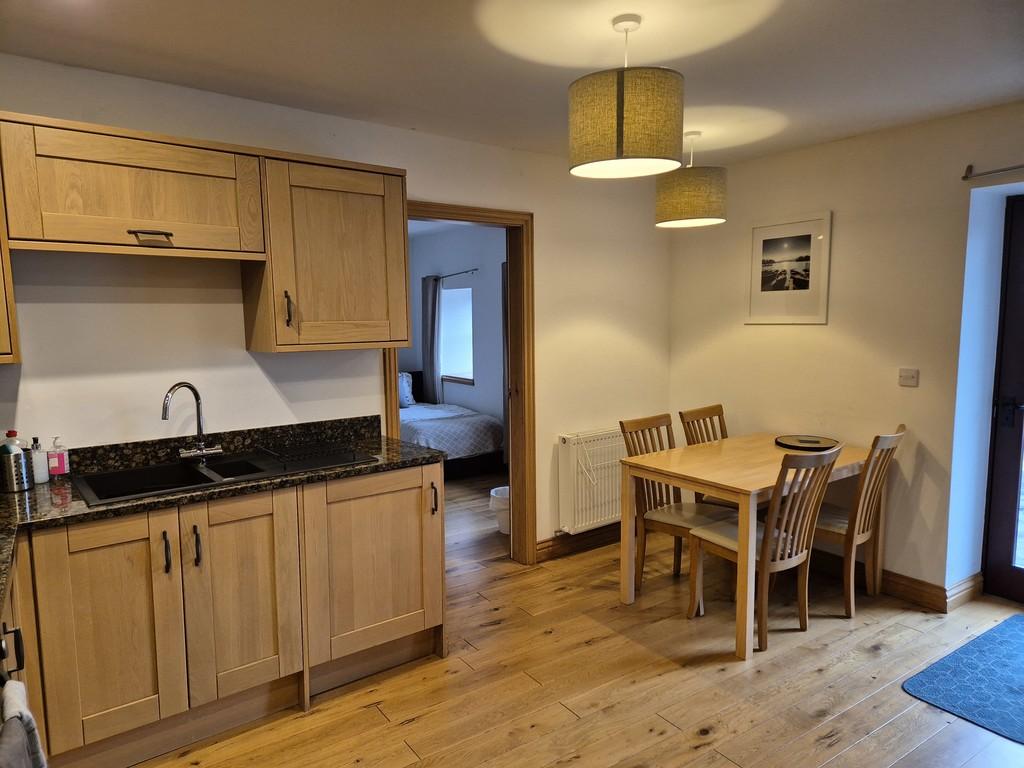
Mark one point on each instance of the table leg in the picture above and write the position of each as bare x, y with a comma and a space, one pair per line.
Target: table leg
745, 572
627, 540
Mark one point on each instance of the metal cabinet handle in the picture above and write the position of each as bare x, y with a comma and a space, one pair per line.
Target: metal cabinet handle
167, 552
287, 309
199, 545
151, 232
19, 647
433, 509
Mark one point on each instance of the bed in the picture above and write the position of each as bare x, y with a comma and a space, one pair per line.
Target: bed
462, 433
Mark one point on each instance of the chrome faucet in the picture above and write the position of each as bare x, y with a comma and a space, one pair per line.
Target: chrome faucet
200, 450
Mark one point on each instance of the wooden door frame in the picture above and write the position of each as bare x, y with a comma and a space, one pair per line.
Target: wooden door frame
522, 451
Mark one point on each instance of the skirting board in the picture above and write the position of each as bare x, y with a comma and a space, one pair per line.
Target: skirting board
560, 546
934, 597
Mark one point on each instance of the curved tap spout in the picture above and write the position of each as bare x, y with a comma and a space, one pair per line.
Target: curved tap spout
200, 449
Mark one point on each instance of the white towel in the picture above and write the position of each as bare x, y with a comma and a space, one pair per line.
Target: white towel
15, 704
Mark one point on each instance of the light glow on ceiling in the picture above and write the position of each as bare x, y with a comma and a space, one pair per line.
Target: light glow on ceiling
574, 33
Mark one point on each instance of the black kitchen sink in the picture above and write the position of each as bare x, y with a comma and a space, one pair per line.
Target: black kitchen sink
127, 484
143, 481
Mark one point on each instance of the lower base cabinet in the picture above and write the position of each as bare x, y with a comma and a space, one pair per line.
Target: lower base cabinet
240, 564
152, 615
374, 559
111, 626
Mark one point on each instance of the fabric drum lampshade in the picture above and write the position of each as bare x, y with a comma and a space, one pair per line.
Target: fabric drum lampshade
626, 122
691, 197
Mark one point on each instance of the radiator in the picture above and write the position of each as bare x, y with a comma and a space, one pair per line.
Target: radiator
589, 479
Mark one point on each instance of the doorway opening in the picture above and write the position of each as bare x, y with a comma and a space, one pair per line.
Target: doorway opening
465, 385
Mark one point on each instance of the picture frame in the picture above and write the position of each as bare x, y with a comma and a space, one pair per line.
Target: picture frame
789, 271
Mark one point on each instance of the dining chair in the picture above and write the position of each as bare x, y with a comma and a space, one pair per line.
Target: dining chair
863, 522
783, 540
705, 425
659, 507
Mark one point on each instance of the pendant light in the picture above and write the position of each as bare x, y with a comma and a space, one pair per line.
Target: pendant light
626, 122
693, 196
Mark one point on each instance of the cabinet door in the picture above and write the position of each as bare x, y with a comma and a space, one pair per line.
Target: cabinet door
78, 187
338, 249
19, 615
374, 560
240, 560
111, 626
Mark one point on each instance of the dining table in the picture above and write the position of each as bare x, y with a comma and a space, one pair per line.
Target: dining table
743, 469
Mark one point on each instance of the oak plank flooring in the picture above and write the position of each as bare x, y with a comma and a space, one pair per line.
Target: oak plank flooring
549, 669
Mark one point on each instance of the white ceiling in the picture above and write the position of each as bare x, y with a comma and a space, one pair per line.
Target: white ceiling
761, 75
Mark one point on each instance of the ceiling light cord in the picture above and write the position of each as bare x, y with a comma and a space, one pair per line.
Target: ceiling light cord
625, 52
692, 136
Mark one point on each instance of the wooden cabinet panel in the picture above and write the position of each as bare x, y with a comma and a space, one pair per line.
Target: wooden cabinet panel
19, 612
374, 559
338, 256
242, 599
110, 609
77, 187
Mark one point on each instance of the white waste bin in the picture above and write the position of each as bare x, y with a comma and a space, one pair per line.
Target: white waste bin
500, 508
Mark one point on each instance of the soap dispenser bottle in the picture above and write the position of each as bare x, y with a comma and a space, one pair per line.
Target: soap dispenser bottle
40, 463
57, 458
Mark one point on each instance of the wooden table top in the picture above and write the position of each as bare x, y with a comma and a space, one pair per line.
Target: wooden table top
744, 464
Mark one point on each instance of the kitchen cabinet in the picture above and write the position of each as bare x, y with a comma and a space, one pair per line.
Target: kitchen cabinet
81, 187
240, 565
337, 274
374, 559
19, 620
111, 626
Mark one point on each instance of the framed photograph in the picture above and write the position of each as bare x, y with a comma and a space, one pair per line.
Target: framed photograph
789, 265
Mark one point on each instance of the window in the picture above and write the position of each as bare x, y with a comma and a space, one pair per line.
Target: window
455, 346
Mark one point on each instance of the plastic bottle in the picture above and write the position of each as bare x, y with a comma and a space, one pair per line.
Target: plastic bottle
57, 458
12, 439
40, 463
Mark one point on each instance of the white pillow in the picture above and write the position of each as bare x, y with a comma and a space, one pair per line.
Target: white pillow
405, 398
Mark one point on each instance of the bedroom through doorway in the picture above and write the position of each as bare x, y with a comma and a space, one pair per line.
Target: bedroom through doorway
456, 387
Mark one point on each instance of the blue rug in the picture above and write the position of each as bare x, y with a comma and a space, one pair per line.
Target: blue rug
982, 682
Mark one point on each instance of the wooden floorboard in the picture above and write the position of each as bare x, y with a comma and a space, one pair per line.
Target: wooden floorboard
547, 668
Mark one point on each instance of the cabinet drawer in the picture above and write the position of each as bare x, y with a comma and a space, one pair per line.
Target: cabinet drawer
77, 187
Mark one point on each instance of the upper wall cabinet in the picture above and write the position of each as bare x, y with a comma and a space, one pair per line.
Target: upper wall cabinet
112, 193
337, 269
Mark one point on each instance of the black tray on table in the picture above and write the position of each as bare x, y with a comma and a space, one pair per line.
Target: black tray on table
805, 442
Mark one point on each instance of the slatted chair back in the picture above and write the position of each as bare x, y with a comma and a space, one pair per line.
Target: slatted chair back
647, 435
872, 484
793, 512
703, 425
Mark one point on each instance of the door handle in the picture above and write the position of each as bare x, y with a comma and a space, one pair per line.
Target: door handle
199, 545
19, 647
167, 552
436, 504
151, 233
1012, 406
287, 309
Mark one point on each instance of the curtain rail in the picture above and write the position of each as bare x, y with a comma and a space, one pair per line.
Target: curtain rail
970, 174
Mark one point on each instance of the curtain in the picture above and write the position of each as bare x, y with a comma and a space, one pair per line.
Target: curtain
431, 329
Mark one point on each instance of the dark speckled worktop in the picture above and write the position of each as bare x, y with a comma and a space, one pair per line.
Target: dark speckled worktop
59, 502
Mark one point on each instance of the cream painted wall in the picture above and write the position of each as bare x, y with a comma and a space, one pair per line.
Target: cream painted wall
104, 337
900, 215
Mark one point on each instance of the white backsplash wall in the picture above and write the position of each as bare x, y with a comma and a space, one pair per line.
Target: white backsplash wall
601, 285
105, 336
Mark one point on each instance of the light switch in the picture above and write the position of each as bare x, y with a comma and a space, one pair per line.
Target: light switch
909, 377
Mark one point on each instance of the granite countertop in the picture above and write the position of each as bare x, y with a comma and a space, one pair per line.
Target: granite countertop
59, 502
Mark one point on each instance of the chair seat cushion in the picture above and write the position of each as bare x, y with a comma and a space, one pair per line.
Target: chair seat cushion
726, 534
686, 514
833, 518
